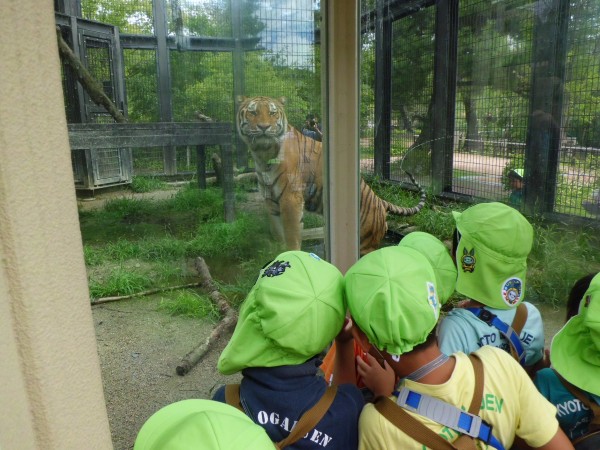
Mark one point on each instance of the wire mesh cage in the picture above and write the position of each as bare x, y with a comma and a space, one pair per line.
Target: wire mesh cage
458, 94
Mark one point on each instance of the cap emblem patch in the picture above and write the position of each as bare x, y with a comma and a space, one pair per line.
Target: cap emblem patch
468, 260
276, 269
512, 291
432, 298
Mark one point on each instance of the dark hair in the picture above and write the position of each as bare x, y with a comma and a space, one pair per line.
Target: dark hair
576, 294
429, 340
455, 239
515, 175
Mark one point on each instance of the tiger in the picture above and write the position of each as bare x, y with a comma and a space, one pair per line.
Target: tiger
289, 170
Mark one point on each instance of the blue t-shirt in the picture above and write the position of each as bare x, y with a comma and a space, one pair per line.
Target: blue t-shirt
276, 398
574, 418
462, 331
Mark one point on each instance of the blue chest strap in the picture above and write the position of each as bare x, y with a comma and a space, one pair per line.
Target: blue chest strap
469, 424
448, 415
506, 330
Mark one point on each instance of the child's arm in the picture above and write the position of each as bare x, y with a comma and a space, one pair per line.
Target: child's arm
344, 370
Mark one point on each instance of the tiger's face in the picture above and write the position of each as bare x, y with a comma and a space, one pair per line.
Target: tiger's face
261, 120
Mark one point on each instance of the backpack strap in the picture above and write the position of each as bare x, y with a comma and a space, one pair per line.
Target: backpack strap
465, 441
470, 424
411, 426
307, 421
232, 396
506, 330
310, 418
479, 379
520, 318
517, 325
583, 398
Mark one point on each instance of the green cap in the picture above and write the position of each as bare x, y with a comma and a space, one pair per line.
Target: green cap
294, 310
393, 298
516, 173
439, 257
495, 240
575, 349
202, 425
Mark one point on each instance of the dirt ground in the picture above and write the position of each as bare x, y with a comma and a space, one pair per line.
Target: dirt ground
140, 348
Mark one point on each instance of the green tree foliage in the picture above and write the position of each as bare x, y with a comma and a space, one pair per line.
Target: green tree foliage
412, 66
582, 83
203, 81
131, 16
141, 85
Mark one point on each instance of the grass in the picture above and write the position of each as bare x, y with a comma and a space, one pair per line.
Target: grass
133, 245
561, 255
146, 184
119, 281
190, 304
436, 218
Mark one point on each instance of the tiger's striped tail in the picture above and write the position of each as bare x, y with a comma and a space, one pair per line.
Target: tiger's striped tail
401, 211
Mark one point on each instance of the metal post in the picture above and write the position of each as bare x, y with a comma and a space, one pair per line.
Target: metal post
444, 95
543, 134
238, 77
383, 89
228, 186
164, 79
201, 165
340, 43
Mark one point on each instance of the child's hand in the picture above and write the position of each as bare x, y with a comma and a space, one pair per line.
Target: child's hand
380, 380
345, 334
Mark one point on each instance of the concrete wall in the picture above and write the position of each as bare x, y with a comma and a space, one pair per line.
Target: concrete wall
50, 391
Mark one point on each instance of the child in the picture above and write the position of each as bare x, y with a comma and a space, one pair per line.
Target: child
294, 310
515, 179
369, 375
492, 243
576, 294
393, 298
573, 383
201, 425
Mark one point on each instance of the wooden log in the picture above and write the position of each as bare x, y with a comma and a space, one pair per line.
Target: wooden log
228, 321
193, 357
313, 233
99, 301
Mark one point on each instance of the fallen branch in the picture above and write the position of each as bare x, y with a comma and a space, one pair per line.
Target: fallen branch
228, 321
143, 293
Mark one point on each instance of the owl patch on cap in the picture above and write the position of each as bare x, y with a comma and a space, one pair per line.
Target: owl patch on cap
468, 260
512, 291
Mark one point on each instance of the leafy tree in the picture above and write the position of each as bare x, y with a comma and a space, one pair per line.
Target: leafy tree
131, 16
141, 85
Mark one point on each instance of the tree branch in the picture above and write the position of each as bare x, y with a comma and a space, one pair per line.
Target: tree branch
89, 83
228, 321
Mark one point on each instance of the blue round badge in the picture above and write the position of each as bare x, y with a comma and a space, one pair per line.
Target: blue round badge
512, 291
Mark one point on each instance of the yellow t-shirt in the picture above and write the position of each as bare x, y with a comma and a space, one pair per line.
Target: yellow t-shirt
510, 403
